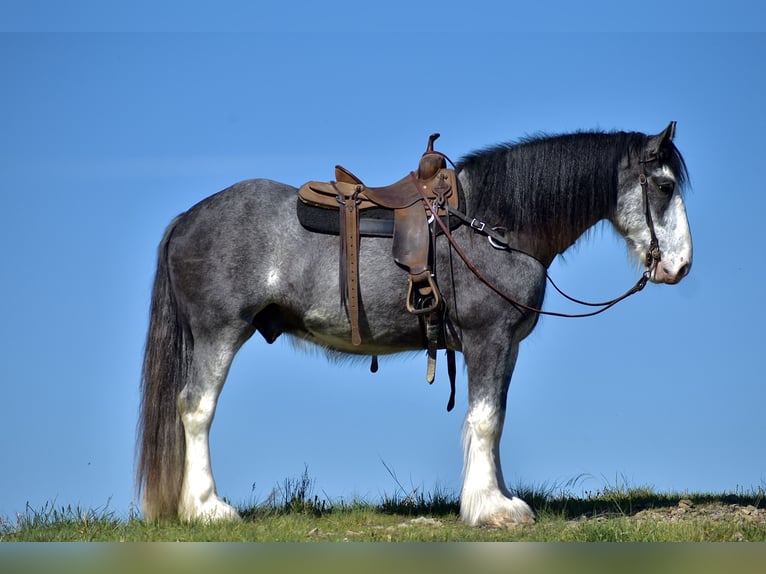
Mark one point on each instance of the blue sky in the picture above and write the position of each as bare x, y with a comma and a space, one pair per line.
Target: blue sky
105, 137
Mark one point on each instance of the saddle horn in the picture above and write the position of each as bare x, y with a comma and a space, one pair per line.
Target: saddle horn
431, 161
431, 139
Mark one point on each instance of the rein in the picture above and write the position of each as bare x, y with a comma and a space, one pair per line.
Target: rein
653, 255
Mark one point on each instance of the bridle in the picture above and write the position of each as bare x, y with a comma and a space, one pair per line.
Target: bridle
653, 254
499, 241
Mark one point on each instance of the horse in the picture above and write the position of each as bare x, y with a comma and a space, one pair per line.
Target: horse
239, 262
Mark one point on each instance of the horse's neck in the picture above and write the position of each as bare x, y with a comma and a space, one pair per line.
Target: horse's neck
558, 242
543, 245
544, 242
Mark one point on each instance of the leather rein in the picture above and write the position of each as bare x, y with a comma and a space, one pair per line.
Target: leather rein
498, 241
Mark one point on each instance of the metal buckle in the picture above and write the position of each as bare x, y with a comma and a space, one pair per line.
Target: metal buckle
478, 225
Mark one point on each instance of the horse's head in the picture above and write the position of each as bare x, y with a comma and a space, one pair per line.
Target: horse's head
650, 205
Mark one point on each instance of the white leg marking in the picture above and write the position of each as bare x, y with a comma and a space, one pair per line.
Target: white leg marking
199, 500
485, 500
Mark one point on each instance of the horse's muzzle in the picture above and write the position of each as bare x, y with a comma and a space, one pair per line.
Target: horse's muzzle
671, 272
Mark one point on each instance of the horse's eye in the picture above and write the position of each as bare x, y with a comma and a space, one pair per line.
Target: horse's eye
666, 187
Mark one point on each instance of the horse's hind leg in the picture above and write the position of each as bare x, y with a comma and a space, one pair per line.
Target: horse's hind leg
485, 499
196, 407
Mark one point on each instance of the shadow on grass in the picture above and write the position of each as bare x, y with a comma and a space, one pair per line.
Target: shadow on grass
631, 502
297, 496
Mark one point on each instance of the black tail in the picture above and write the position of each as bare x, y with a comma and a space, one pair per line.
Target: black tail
167, 359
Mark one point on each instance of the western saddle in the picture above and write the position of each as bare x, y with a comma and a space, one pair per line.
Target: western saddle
413, 199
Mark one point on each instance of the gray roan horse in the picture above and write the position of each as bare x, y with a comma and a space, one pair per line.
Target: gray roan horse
240, 262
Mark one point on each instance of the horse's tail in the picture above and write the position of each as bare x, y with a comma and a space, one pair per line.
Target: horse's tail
167, 358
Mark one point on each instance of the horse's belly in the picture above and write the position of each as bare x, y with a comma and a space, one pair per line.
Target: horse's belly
381, 335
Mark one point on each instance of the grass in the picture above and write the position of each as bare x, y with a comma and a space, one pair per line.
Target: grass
294, 513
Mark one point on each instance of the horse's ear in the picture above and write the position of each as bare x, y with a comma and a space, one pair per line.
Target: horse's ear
670, 131
663, 138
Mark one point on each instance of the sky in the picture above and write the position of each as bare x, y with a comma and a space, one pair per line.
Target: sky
114, 120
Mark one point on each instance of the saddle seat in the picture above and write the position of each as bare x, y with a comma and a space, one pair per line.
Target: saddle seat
398, 195
412, 199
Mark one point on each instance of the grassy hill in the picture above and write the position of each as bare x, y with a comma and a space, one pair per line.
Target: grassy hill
294, 513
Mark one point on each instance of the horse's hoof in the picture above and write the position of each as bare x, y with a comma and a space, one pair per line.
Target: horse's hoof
212, 511
497, 511
507, 521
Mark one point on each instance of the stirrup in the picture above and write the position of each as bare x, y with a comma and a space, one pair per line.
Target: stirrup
426, 299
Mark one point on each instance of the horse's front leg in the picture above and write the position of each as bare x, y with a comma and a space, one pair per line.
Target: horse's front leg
485, 499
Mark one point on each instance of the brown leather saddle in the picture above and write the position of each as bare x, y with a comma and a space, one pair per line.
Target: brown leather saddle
412, 200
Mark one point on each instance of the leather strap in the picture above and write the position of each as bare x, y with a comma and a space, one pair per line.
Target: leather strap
348, 271
452, 372
433, 332
640, 284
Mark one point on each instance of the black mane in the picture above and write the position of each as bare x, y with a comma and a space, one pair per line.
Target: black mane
555, 185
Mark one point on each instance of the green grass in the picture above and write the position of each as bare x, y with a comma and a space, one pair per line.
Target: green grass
294, 513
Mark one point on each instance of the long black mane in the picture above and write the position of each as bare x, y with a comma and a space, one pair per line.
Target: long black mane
558, 185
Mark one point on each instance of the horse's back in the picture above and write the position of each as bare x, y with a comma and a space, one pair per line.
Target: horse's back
240, 206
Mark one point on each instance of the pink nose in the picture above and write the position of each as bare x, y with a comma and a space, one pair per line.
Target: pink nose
668, 272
